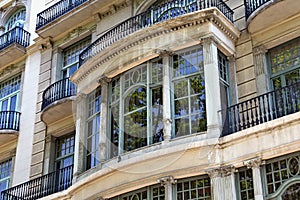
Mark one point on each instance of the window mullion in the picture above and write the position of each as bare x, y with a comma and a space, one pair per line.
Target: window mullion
121, 116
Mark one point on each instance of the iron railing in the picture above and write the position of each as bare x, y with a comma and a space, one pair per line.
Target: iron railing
57, 10
261, 109
40, 187
57, 91
168, 10
16, 35
9, 120
253, 5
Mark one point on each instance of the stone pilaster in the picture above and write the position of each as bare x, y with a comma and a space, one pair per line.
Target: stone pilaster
222, 183
80, 135
255, 164
103, 119
167, 182
232, 81
260, 70
167, 121
212, 85
38, 149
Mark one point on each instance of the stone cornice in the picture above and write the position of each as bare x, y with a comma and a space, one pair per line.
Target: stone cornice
211, 15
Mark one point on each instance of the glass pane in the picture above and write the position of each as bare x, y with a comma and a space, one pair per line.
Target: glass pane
135, 130
181, 107
182, 127
137, 99
115, 130
292, 77
157, 115
13, 103
180, 88
4, 105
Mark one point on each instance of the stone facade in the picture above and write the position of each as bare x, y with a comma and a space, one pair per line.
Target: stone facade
60, 107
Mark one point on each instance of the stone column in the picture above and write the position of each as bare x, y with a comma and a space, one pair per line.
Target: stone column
167, 182
232, 80
254, 164
212, 85
167, 121
80, 135
260, 70
222, 183
103, 119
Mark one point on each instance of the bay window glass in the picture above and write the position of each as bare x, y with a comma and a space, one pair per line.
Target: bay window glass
136, 108
5, 173
93, 128
71, 57
285, 64
189, 92
16, 20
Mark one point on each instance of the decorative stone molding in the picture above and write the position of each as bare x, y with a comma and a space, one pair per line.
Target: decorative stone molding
112, 10
46, 44
208, 39
221, 171
104, 80
166, 180
253, 163
259, 60
163, 53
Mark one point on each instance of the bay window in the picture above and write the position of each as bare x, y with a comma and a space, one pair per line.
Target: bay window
189, 92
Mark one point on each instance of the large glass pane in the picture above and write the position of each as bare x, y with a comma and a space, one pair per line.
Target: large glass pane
135, 130
157, 115
137, 99
115, 130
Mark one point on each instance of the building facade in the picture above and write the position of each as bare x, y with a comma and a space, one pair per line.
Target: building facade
150, 99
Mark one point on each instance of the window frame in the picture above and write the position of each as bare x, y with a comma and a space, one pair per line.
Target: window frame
119, 103
7, 178
173, 79
237, 180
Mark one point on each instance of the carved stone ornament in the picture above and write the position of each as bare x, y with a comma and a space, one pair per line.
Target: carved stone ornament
166, 180
221, 171
253, 163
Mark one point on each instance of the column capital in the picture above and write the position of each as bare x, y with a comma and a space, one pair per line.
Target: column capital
166, 180
210, 38
221, 171
164, 52
254, 163
259, 50
46, 44
231, 58
104, 80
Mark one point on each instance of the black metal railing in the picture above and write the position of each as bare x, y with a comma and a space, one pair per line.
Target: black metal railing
57, 91
252, 5
16, 35
168, 10
40, 187
9, 120
57, 10
261, 109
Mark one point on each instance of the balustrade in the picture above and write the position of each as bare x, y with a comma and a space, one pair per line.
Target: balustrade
252, 5
261, 109
16, 35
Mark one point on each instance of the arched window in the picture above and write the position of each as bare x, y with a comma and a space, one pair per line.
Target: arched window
16, 20
136, 108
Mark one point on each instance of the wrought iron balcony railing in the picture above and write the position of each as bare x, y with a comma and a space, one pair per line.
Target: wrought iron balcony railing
252, 5
57, 10
16, 35
57, 91
9, 120
40, 187
168, 10
261, 109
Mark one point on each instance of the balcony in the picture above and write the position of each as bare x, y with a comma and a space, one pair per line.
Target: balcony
65, 15
260, 13
261, 109
57, 101
155, 15
13, 44
9, 125
40, 187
